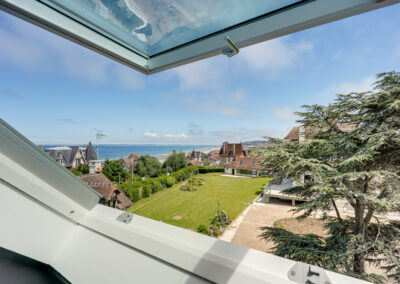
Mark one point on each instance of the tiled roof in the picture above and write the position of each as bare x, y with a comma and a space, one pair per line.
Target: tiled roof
130, 162
106, 188
194, 155
214, 157
293, 135
250, 163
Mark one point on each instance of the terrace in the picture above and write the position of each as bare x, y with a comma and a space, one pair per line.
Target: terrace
53, 218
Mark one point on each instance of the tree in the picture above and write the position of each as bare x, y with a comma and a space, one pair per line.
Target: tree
83, 169
114, 171
352, 149
147, 166
175, 161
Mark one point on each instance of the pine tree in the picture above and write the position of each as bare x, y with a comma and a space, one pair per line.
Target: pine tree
352, 149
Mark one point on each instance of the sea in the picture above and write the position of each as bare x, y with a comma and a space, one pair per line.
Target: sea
107, 151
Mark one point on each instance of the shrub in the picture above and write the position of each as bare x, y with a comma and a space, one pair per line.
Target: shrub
168, 181
155, 185
76, 172
83, 168
132, 191
202, 229
145, 191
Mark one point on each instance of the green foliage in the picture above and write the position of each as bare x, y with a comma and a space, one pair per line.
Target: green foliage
207, 169
155, 185
145, 191
147, 166
175, 161
114, 171
202, 229
219, 222
168, 181
132, 190
76, 172
83, 169
352, 149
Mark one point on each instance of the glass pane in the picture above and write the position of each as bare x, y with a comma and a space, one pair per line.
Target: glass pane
154, 26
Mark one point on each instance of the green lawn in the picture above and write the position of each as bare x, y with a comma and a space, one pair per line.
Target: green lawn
198, 207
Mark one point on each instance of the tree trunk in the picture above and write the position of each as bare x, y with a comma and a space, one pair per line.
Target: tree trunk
359, 258
359, 263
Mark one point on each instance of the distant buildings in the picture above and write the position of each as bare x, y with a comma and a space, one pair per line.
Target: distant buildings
228, 152
113, 195
130, 162
235, 161
73, 156
195, 158
68, 156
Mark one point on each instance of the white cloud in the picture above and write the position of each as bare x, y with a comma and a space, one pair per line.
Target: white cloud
195, 129
151, 135
363, 85
274, 55
244, 134
176, 136
205, 74
283, 113
33, 49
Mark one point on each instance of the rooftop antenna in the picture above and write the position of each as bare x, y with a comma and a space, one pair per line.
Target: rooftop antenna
99, 136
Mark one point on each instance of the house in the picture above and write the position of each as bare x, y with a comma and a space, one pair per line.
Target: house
130, 162
68, 156
194, 158
245, 166
214, 160
229, 151
89, 152
113, 195
95, 165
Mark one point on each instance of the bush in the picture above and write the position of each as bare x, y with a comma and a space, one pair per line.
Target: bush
76, 172
204, 170
83, 168
168, 181
155, 185
132, 191
145, 191
202, 229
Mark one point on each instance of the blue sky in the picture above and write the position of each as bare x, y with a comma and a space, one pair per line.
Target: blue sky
56, 92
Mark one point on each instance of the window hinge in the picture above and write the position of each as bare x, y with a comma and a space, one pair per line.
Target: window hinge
232, 49
305, 273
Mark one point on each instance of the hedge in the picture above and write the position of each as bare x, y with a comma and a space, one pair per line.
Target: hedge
145, 191
132, 190
204, 170
144, 188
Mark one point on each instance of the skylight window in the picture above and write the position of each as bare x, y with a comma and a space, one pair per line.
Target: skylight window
154, 35
152, 27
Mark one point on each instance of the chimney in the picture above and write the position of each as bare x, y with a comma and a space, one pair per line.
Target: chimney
41, 147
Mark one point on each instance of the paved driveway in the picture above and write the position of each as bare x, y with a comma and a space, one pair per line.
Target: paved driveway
244, 230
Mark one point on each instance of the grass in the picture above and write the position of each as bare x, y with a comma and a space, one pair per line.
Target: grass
198, 207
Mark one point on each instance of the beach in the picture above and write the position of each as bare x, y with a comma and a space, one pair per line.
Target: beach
163, 157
